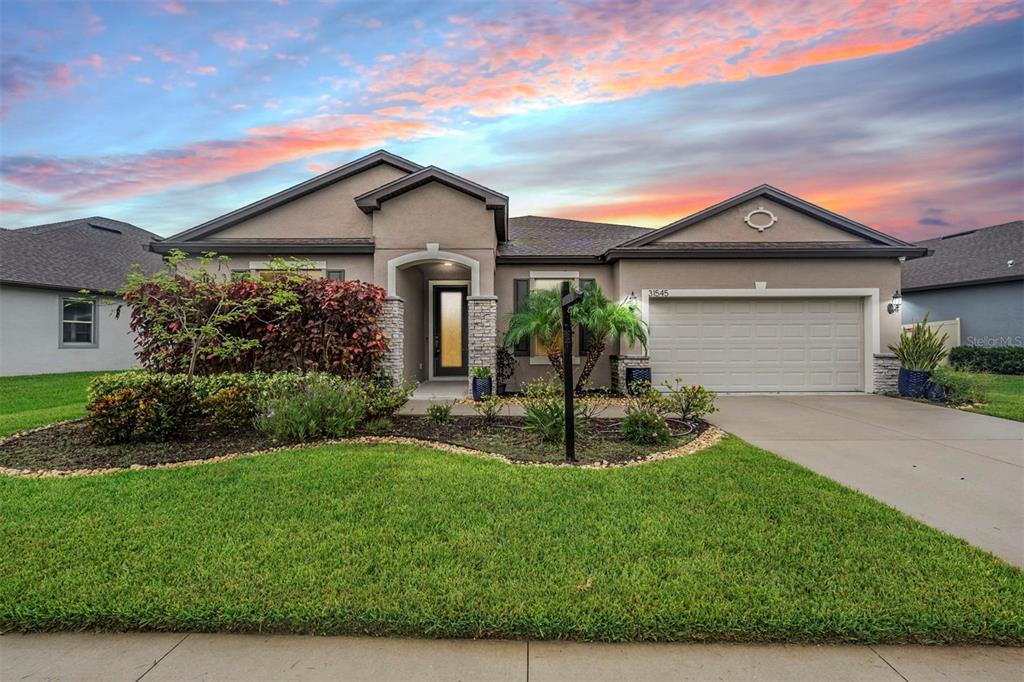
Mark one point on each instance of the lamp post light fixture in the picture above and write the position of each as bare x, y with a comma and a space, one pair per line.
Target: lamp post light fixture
896, 303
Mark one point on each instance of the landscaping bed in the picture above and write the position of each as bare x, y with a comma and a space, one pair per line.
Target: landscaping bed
68, 446
729, 544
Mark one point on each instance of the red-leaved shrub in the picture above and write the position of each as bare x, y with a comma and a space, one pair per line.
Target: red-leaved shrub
202, 325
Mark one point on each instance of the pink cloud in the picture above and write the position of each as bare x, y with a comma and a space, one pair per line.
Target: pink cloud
118, 177
237, 42
619, 49
174, 7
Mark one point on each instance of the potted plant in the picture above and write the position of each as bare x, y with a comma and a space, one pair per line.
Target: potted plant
506, 361
919, 353
481, 382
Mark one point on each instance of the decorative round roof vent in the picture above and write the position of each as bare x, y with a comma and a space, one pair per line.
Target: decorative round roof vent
760, 219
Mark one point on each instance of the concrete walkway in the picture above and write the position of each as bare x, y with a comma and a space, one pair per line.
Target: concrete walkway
159, 656
957, 471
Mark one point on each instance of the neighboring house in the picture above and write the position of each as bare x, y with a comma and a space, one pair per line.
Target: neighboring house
976, 276
762, 292
46, 324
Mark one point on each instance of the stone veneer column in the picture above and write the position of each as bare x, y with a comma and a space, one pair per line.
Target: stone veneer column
619, 365
886, 369
483, 333
393, 325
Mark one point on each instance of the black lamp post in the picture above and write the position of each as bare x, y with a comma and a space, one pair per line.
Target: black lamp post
569, 299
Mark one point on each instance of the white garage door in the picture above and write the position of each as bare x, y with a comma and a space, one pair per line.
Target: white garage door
742, 345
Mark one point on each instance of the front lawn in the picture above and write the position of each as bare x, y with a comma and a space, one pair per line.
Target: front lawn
732, 543
40, 399
1005, 397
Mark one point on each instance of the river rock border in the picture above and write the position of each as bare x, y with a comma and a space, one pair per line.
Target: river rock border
709, 437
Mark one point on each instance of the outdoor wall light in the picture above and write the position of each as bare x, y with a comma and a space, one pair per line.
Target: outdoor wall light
897, 301
631, 299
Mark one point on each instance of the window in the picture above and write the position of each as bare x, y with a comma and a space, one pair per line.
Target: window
77, 322
521, 289
539, 349
336, 275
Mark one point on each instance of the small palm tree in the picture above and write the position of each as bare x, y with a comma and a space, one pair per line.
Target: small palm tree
603, 319
540, 317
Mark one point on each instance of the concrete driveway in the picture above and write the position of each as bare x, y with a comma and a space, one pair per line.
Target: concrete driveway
959, 472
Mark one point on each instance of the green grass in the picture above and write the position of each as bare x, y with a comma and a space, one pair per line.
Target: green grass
1005, 397
732, 543
40, 399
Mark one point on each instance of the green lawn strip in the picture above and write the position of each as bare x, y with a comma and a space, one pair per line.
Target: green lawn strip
1005, 397
40, 399
732, 543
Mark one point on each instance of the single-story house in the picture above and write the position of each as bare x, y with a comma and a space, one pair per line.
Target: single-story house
761, 292
975, 276
46, 323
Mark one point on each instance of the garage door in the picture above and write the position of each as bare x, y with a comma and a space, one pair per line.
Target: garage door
749, 345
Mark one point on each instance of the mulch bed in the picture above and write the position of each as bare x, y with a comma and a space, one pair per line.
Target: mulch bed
67, 446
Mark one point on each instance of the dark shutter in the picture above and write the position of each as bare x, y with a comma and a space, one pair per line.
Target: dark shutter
585, 284
521, 289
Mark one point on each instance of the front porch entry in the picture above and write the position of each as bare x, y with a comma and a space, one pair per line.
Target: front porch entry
438, 325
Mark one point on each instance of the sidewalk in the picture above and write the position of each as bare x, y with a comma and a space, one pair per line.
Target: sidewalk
170, 656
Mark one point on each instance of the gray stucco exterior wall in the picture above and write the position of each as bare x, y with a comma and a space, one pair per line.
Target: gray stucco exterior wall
30, 336
990, 314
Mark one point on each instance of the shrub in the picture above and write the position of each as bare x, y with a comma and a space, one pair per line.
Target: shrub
197, 323
440, 413
164, 410
480, 372
922, 349
545, 411
962, 388
645, 397
377, 427
322, 407
230, 407
385, 399
506, 360
998, 360
112, 417
488, 407
689, 403
645, 427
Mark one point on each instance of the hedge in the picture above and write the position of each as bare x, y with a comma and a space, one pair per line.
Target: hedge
997, 360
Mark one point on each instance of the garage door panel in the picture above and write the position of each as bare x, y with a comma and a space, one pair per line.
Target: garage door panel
759, 345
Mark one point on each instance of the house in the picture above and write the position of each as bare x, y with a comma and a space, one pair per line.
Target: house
46, 323
762, 292
975, 276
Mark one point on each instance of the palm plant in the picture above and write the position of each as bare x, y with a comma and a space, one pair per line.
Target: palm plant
604, 319
540, 317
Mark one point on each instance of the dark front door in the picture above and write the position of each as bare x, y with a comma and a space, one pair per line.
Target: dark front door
451, 331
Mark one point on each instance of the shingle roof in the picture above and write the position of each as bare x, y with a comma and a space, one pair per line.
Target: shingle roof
87, 253
539, 236
969, 257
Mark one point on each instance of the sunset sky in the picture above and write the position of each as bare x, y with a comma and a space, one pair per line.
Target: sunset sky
907, 116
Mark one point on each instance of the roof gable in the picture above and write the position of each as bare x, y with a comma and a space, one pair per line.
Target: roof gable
494, 201
849, 230
300, 190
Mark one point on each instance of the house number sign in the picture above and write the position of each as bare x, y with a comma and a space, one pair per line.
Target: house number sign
658, 293
760, 219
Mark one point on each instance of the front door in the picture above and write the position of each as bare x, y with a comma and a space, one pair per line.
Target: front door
451, 331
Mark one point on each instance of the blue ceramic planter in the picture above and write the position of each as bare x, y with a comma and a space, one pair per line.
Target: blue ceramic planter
635, 374
481, 387
911, 383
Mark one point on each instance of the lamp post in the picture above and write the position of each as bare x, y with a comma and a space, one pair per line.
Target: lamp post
569, 299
